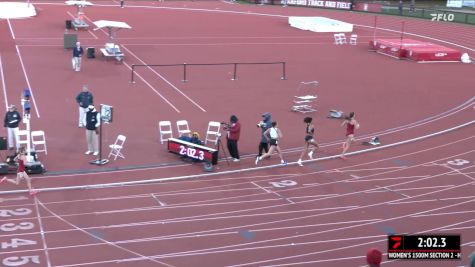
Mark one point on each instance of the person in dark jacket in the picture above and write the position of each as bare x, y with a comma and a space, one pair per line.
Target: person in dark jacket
265, 124
195, 139
84, 100
11, 121
77, 55
92, 121
233, 132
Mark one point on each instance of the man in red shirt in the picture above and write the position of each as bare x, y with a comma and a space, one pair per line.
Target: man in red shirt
233, 132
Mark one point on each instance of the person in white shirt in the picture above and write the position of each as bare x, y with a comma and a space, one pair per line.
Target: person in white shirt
273, 134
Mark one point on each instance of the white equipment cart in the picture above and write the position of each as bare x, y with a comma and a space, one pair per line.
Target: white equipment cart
112, 49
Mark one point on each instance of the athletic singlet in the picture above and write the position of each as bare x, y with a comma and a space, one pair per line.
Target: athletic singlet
273, 133
350, 129
21, 166
309, 132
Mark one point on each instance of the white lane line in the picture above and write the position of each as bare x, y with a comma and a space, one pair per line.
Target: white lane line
162, 204
28, 81
445, 213
260, 187
373, 169
390, 190
183, 236
165, 80
192, 191
102, 239
11, 29
4, 87
458, 171
42, 233
458, 229
430, 200
153, 88
408, 189
359, 180
314, 196
273, 192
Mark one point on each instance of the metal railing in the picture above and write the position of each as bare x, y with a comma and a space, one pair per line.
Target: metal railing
185, 67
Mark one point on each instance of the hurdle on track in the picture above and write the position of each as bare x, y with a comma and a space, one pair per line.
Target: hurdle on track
185, 67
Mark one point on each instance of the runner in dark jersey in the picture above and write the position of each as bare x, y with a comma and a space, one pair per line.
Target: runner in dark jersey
309, 140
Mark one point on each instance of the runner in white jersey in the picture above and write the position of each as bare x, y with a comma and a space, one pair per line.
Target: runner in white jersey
273, 134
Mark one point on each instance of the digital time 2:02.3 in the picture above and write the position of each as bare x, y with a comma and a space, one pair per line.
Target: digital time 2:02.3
192, 152
425, 242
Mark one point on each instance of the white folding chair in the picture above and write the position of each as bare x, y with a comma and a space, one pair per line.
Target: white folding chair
340, 38
38, 138
337, 38
117, 147
182, 127
165, 128
213, 132
343, 38
23, 138
353, 39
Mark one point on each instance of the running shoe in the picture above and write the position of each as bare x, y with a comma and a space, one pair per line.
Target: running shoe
310, 154
299, 162
283, 162
236, 160
258, 159
89, 152
96, 153
343, 157
3, 179
33, 192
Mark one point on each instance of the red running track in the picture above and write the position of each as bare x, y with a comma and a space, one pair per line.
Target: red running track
327, 213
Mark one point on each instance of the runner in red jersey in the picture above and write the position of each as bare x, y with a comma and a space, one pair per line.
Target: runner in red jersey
21, 172
351, 124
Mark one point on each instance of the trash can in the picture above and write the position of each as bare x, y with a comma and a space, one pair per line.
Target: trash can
91, 52
70, 40
69, 24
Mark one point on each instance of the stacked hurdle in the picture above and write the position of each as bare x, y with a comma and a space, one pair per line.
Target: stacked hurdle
306, 96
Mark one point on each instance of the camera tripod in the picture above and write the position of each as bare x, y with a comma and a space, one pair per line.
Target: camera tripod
220, 145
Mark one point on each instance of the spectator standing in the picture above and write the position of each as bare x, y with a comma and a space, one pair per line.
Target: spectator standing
77, 56
92, 121
233, 133
84, 99
265, 124
11, 122
400, 6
